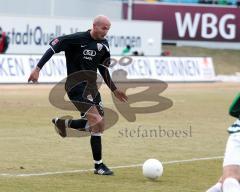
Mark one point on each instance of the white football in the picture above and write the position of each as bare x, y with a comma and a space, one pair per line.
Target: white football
152, 169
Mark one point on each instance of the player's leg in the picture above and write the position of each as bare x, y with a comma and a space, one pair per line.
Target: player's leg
94, 114
82, 104
231, 164
79, 97
61, 124
231, 184
79, 124
231, 179
96, 123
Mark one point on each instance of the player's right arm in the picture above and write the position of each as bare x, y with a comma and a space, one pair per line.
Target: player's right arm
35, 73
56, 45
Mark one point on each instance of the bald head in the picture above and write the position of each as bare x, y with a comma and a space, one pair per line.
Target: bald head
101, 25
101, 19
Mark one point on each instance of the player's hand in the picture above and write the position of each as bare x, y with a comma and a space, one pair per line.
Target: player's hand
120, 95
34, 75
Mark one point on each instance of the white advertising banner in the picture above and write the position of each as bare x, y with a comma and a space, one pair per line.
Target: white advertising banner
32, 35
168, 68
17, 68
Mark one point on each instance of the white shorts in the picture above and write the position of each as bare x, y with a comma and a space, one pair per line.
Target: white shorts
232, 153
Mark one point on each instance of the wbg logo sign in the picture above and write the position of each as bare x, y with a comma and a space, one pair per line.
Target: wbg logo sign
209, 25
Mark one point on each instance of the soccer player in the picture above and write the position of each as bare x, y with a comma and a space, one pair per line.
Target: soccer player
85, 52
229, 182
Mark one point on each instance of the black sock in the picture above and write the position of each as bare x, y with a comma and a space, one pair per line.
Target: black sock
96, 145
78, 123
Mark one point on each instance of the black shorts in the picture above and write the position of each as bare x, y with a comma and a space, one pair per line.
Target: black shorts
84, 96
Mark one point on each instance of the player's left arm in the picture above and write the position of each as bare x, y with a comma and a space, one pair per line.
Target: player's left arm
103, 69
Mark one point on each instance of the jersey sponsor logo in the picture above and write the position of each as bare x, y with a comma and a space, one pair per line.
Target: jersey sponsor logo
89, 52
54, 42
88, 58
99, 46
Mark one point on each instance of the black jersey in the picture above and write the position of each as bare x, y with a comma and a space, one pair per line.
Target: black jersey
82, 52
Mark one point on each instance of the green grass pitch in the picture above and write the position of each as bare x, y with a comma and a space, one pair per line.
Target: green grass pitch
30, 145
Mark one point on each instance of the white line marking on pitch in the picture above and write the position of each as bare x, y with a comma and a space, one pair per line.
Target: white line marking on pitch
116, 167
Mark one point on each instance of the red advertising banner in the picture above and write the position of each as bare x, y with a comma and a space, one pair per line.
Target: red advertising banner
188, 22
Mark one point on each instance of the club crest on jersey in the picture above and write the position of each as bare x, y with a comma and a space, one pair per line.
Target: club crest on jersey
99, 46
54, 42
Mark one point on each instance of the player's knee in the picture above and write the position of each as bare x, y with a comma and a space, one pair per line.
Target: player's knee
98, 128
229, 183
231, 171
94, 118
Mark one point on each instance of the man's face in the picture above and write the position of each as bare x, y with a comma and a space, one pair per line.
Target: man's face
101, 29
